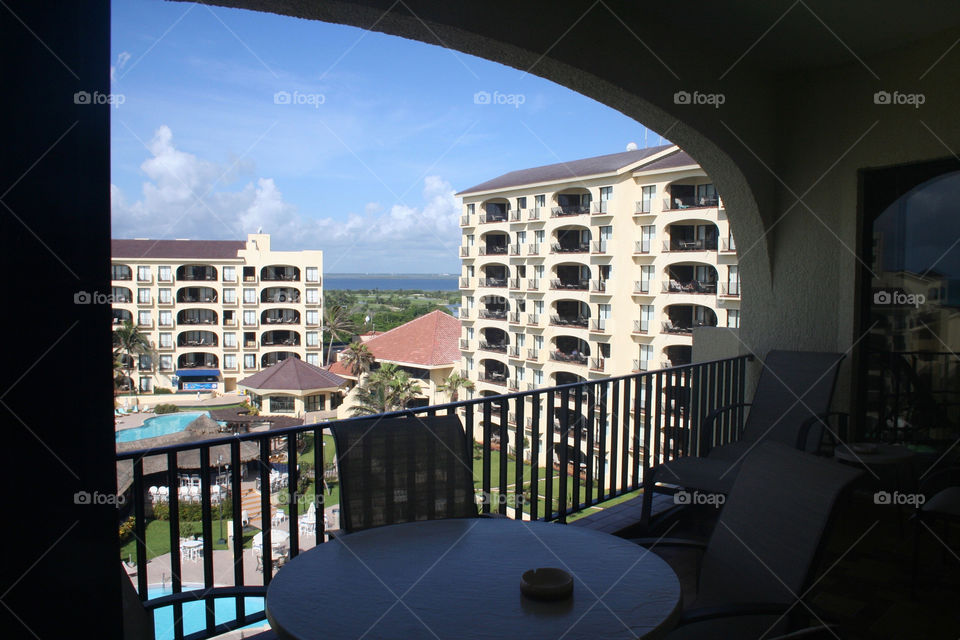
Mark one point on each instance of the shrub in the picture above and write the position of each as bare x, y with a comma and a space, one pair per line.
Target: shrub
251, 410
166, 408
126, 529
159, 391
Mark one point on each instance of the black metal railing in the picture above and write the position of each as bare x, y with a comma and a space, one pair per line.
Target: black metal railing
605, 436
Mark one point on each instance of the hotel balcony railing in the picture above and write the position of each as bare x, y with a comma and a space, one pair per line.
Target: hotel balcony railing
641, 326
513, 384
574, 358
533, 354
570, 321
279, 276
598, 246
464, 252
533, 319
642, 208
515, 215
464, 221
464, 344
533, 284
493, 282
514, 317
492, 217
640, 365
600, 208
514, 351
533, 249
642, 286
569, 210
629, 424
514, 283
597, 364
535, 214
515, 249
488, 314
730, 289
580, 247
669, 327
598, 286
492, 377
574, 285
494, 250
599, 325
690, 245
677, 204
728, 245
493, 346
689, 286
464, 283
642, 246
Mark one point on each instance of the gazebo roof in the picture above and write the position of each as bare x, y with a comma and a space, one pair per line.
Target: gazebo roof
293, 374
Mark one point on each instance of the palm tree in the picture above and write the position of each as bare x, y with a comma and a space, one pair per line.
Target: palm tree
453, 384
129, 341
389, 388
358, 359
336, 322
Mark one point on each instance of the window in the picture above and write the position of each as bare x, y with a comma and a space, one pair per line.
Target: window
281, 404
314, 359
539, 235
166, 362
522, 203
471, 208
120, 294
120, 272
166, 339
166, 318
469, 333
647, 234
313, 338
146, 384
313, 274
521, 237
143, 319
646, 354
470, 302
313, 317
646, 317
540, 200
470, 271
314, 402
469, 364
470, 240
249, 296
733, 280
143, 296
313, 296
249, 361
145, 363
538, 342
250, 318
537, 377
647, 198
230, 361
733, 318
646, 277
538, 271
229, 296
230, 339
706, 195
521, 339
164, 274
606, 193
538, 307
143, 274
166, 296
229, 274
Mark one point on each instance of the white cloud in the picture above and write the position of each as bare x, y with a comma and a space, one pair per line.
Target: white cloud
122, 60
184, 197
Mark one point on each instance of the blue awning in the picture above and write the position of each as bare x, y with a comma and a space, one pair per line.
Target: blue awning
198, 372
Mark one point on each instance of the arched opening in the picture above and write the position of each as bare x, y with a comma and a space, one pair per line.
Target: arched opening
121, 294
494, 275
571, 239
197, 339
196, 294
198, 360
571, 276
493, 371
494, 339
690, 277
570, 349
192, 272
279, 295
494, 243
196, 316
677, 355
276, 272
121, 316
272, 358
571, 202
690, 193
691, 236
571, 313
493, 308
280, 337
681, 318
494, 210
280, 316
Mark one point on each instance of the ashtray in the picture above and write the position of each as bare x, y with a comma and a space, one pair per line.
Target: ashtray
546, 583
864, 448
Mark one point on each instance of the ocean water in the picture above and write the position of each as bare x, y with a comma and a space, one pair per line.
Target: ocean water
388, 282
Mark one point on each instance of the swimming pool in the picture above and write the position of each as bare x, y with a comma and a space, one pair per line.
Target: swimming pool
194, 614
159, 426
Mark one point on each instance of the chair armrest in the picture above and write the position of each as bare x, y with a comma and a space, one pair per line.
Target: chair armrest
703, 614
669, 542
804, 431
706, 429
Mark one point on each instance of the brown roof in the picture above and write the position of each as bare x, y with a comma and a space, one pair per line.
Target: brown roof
672, 161
182, 249
431, 340
567, 170
293, 373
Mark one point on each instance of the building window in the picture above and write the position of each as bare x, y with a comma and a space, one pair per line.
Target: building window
469, 364
250, 318
313, 317
145, 363
164, 274
229, 296
313, 274
249, 296
540, 200
146, 384
230, 361
537, 377
312, 338
166, 296
166, 363
471, 208
249, 361
314, 359
647, 198
230, 339
469, 333
521, 374
120, 272
143, 274
143, 319
143, 296
313, 296
166, 319
646, 317
229, 274
119, 294
646, 353
733, 318
166, 339
281, 404
733, 280
706, 195
647, 234
522, 203
646, 277
314, 402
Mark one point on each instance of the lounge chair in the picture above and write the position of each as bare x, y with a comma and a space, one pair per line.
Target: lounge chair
763, 552
790, 406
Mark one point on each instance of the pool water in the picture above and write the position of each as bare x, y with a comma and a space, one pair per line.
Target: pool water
159, 426
194, 614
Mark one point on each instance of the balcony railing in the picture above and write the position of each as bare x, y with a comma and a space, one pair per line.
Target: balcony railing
515, 215
533, 354
598, 246
570, 321
512, 384
488, 314
492, 217
514, 317
642, 286
493, 282
596, 364
641, 365
515, 249
598, 286
600, 208
514, 283
730, 289
669, 327
493, 250
580, 247
641, 326
533, 249
464, 344
493, 377
642, 208
534, 214
464, 283
599, 325
690, 245
493, 346
689, 286
464, 221
514, 351
533, 284
641, 246
572, 357
620, 445
533, 319
569, 210
464, 252
728, 245
573, 285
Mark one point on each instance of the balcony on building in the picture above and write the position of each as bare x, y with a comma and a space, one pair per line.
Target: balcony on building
533, 284
196, 316
198, 360
493, 308
121, 295
464, 283
571, 239
570, 349
494, 211
197, 339
272, 358
681, 318
494, 244
494, 339
690, 278
277, 338
202, 295
274, 273
730, 289
571, 276
533, 319
195, 272
280, 316
494, 275
599, 285
571, 313
465, 251
598, 247
493, 371
278, 295
121, 272
573, 202
533, 249
690, 194
678, 355
691, 237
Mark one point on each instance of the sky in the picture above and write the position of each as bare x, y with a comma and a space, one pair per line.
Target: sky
325, 136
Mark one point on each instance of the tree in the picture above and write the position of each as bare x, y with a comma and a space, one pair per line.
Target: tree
389, 388
453, 384
358, 359
336, 323
128, 343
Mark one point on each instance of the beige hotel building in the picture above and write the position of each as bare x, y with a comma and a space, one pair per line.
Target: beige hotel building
592, 268
216, 311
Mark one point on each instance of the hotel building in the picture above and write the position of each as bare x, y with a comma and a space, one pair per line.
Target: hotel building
593, 268
216, 311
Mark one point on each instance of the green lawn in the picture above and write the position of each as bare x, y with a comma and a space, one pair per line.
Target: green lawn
158, 537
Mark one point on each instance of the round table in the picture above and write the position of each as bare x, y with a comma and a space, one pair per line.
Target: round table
884, 453
461, 579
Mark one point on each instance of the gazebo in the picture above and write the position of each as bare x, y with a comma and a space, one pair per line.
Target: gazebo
293, 387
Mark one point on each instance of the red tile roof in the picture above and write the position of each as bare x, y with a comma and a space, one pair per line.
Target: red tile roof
431, 340
293, 373
183, 249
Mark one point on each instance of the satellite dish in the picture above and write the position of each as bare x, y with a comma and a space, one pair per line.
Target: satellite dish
632, 146
259, 229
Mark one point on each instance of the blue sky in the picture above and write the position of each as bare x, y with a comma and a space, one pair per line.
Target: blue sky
328, 137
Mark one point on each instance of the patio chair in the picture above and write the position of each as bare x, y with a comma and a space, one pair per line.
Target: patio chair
402, 470
790, 406
764, 549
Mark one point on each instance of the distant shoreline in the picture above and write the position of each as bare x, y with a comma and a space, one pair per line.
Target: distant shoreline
377, 276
